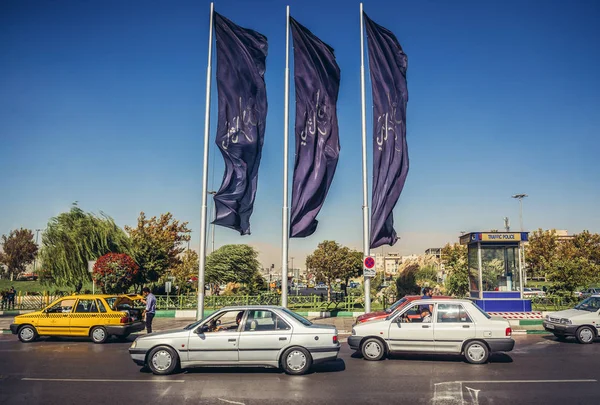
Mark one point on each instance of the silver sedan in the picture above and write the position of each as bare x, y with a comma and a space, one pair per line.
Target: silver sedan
265, 336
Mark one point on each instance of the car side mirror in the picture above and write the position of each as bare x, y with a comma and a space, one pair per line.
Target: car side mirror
202, 329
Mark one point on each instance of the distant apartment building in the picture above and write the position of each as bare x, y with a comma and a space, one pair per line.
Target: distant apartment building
436, 252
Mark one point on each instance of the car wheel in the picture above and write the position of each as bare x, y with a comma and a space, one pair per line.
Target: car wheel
476, 352
296, 361
373, 349
99, 334
585, 335
561, 338
27, 334
162, 360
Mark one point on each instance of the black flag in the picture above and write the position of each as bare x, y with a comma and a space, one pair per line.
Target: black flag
317, 83
387, 64
241, 57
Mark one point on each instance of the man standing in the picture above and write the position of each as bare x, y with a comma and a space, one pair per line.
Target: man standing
11, 298
150, 310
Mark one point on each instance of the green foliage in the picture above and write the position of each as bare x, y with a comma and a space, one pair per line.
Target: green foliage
235, 264
114, 273
156, 244
540, 252
331, 261
406, 283
454, 258
186, 269
18, 250
72, 239
426, 276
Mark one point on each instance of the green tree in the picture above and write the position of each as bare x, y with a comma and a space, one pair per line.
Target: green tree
18, 250
156, 244
186, 268
331, 261
234, 264
455, 261
427, 275
406, 282
73, 238
115, 272
541, 252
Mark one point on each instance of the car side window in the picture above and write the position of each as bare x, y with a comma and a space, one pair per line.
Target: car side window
101, 306
86, 306
412, 314
228, 321
62, 307
260, 321
452, 313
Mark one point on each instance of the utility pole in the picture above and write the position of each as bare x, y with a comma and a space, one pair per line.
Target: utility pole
37, 232
212, 237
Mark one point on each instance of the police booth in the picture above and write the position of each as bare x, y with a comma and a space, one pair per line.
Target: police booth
495, 263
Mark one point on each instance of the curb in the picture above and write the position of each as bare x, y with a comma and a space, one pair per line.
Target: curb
191, 313
530, 332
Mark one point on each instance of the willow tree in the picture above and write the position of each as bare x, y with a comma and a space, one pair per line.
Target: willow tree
73, 238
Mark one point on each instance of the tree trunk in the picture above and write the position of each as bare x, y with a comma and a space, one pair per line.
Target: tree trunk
328, 290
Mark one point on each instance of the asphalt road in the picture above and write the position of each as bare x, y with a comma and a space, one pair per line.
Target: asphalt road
75, 371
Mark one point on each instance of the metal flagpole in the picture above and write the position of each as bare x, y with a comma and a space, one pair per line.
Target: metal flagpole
202, 258
286, 120
364, 161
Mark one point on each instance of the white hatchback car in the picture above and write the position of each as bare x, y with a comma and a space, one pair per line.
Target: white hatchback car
454, 327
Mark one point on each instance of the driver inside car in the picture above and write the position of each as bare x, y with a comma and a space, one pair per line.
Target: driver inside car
215, 325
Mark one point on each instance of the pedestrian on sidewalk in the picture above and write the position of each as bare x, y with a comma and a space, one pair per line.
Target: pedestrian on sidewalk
150, 311
11, 298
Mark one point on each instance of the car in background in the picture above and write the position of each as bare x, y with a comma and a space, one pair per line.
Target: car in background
353, 284
255, 335
583, 321
589, 292
321, 286
95, 315
457, 326
396, 306
301, 285
533, 292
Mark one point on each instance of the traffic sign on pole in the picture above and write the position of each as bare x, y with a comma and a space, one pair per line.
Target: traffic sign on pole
369, 262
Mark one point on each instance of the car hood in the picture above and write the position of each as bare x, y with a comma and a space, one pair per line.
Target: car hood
370, 315
570, 313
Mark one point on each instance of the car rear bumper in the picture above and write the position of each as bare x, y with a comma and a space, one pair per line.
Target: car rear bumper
559, 329
120, 330
501, 345
322, 354
354, 342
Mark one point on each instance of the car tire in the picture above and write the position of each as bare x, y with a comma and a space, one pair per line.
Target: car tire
162, 360
476, 352
372, 349
585, 335
99, 334
27, 334
296, 361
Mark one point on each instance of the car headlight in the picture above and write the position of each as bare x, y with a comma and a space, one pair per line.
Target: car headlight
565, 321
353, 332
133, 344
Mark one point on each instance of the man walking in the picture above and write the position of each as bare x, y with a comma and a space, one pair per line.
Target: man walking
150, 310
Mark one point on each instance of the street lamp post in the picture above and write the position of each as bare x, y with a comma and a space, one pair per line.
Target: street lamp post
520, 198
37, 232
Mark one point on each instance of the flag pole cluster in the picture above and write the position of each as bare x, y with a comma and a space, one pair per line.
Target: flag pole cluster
242, 110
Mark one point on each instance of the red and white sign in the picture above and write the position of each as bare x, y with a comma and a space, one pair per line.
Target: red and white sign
369, 262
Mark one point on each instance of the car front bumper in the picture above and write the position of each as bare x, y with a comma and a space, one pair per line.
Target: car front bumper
501, 345
560, 329
120, 330
354, 342
138, 356
14, 328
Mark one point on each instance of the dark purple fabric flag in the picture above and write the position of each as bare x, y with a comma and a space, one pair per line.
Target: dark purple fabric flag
387, 64
241, 56
317, 83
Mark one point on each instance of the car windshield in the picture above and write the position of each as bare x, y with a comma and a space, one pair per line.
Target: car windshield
591, 304
193, 325
482, 311
395, 305
297, 317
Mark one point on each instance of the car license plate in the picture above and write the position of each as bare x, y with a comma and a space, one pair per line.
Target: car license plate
549, 326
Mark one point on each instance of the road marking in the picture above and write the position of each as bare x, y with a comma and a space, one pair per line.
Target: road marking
231, 402
522, 381
99, 380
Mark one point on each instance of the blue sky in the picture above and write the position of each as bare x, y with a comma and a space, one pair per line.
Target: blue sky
102, 102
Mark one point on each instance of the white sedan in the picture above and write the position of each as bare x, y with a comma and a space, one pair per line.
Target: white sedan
454, 326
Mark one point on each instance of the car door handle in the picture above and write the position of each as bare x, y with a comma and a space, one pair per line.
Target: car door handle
231, 340
282, 338
425, 326
466, 326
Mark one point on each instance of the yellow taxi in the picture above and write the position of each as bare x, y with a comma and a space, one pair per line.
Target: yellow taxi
98, 316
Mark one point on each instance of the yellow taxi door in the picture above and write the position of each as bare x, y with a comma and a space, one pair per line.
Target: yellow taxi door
84, 317
55, 320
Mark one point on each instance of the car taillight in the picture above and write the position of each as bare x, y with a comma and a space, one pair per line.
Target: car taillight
125, 319
335, 339
508, 332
